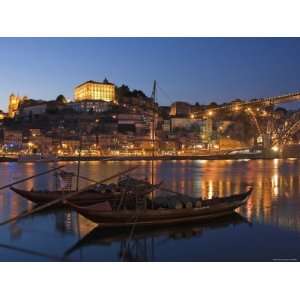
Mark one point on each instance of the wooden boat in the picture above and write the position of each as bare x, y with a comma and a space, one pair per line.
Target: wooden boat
210, 209
36, 157
88, 197
43, 197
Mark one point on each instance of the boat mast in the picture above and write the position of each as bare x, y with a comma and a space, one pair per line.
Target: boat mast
153, 96
79, 156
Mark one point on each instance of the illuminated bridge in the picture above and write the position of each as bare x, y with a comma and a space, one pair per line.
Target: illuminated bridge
262, 103
277, 131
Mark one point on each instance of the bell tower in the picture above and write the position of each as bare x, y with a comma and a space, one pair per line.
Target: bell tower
13, 105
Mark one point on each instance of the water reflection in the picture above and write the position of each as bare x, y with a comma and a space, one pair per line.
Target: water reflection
274, 201
140, 245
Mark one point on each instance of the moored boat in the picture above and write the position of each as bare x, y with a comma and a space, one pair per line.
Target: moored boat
106, 216
36, 157
110, 192
43, 197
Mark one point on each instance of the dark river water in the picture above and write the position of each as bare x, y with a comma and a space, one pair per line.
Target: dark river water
266, 229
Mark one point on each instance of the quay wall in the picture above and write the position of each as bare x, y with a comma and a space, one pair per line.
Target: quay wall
169, 157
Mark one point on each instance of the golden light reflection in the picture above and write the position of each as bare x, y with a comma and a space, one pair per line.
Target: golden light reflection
275, 162
275, 188
210, 192
273, 201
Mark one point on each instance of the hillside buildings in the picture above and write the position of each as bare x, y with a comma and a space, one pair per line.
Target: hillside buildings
97, 106
3, 115
180, 109
106, 120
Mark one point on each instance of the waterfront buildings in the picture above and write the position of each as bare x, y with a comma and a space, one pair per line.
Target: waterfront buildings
207, 131
122, 118
12, 139
93, 90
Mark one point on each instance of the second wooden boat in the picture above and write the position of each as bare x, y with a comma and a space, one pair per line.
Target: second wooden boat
43, 197
129, 185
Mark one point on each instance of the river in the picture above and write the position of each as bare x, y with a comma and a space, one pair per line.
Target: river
267, 228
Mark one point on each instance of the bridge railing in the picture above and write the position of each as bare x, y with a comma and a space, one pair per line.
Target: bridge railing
262, 101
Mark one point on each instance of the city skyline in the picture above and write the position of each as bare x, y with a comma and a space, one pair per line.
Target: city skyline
189, 69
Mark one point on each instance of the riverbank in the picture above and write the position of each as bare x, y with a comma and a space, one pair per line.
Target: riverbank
168, 157
172, 157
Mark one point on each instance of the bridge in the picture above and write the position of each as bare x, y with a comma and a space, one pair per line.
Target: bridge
261, 113
240, 105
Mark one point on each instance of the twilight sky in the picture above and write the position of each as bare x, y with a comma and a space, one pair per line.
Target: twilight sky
190, 69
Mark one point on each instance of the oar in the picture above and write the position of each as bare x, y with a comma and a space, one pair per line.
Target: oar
66, 197
30, 177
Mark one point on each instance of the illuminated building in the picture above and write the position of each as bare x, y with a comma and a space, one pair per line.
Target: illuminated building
166, 125
207, 130
14, 104
93, 90
2, 115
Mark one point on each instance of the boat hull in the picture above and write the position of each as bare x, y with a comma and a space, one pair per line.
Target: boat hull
151, 217
83, 199
86, 198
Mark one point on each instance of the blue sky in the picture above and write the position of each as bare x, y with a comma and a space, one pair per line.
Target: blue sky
190, 69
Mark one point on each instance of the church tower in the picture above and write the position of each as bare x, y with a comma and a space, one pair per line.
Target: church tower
13, 105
